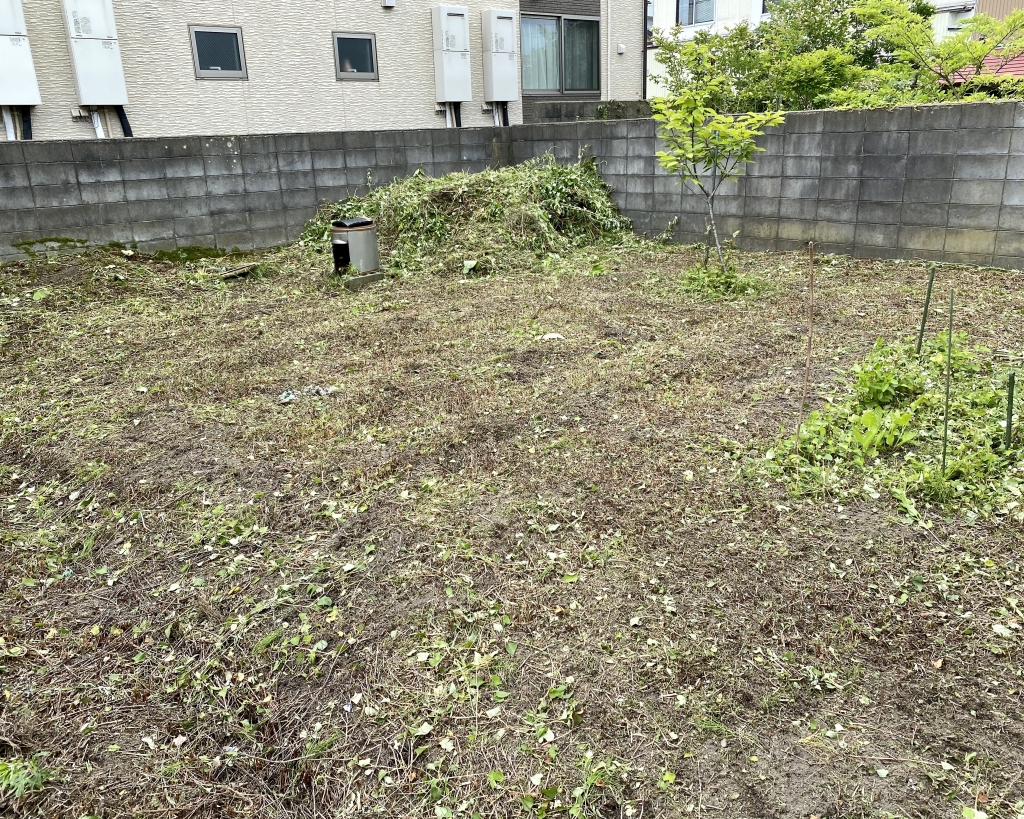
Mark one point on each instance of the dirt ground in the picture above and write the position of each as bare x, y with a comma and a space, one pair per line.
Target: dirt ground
507, 553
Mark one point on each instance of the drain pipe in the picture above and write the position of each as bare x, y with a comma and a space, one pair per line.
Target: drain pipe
97, 123
458, 114
447, 115
9, 124
26, 122
126, 126
504, 114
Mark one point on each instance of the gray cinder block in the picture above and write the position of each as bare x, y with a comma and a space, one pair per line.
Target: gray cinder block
886, 143
987, 116
923, 214
933, 142
977, 242
934, 191
989, 141
931, 166
977, 192
974, 217
52, 173
935, 118
102, 192
922, 238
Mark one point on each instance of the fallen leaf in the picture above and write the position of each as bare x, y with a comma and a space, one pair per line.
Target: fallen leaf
937, 663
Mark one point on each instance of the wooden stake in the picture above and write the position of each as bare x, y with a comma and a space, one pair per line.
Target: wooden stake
1010, 384
949, 376
927, 304
810, 341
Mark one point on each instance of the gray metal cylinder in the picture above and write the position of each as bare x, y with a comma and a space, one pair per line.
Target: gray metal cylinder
361, 235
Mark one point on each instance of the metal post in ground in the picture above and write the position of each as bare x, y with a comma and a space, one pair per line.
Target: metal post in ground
927, 304
1010, 384
949, 376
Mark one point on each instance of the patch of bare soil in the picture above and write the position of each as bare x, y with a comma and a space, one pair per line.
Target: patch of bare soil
473, 571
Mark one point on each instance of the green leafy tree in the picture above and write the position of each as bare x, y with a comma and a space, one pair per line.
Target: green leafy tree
963, 65
856, 53
705, 148
789, 62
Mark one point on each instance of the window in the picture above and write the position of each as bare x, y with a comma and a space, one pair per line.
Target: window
649, 26
561, 54
541, 65
355, 56
218, 53
693, 12
582, 55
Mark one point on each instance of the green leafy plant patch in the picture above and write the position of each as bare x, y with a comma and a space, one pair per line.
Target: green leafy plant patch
884, 431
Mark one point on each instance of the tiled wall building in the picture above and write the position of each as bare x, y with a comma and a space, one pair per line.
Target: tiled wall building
253, 66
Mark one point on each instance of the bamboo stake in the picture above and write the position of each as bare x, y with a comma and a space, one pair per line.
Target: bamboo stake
810, 341
949, 375
1010, 384
927, 304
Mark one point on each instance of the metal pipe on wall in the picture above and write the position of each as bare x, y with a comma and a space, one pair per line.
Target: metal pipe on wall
97, 123
12, 134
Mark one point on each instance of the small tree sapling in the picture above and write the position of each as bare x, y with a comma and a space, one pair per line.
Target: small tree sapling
704, 148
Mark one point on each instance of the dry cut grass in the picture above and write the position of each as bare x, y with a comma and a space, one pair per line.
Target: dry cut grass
515, 557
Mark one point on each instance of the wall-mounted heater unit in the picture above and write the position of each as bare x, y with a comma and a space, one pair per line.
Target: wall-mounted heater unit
501, 64
96, 57
452, 75
19, 89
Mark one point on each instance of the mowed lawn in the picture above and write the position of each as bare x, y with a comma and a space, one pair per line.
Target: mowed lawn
507, 549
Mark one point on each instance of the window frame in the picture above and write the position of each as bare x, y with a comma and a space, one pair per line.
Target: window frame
207, 74
355, 76
561, 91
711, 22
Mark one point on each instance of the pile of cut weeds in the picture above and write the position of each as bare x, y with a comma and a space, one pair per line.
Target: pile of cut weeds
497, 221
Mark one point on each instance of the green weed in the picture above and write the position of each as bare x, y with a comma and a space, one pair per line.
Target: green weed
21, 776
885, 433
712, 282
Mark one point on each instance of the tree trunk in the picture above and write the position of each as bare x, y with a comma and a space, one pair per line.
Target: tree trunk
714, 231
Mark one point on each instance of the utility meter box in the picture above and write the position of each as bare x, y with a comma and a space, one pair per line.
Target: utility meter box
501, 61
18, 83
95, 52
452, 75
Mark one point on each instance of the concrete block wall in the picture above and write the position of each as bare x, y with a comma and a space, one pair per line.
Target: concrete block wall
944, 183
223, 192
